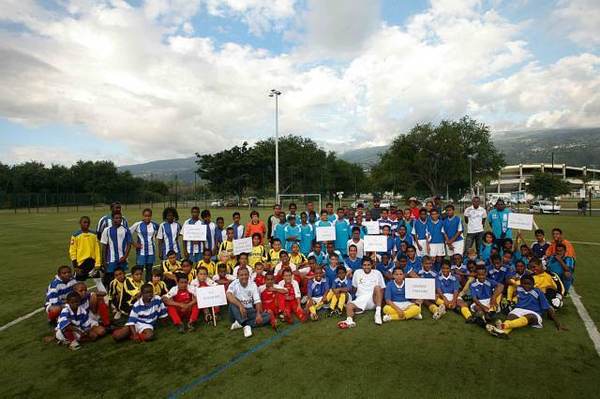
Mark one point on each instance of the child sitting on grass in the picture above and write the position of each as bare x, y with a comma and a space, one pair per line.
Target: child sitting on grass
447, 292
292, 297
74, 324
58, 289
158, 285
485, 294
339, 294
317, 292
181, 305
397, 306
169, 267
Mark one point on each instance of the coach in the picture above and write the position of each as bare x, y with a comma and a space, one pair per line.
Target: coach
475, 216
245, 307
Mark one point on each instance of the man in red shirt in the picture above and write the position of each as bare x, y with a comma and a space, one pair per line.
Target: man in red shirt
181, 304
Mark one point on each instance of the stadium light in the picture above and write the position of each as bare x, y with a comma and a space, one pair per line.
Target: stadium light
276, 94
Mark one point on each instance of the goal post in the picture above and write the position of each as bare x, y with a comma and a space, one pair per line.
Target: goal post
300, 200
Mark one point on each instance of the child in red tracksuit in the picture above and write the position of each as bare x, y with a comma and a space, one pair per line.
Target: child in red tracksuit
181, 304
291, 303
259, 274
202, 280
272, 297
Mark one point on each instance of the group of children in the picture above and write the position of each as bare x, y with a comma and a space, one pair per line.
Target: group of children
299, 277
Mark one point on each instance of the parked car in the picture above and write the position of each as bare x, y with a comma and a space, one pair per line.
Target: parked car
493, 198
385, 204
216, 204
544, 206
354, 205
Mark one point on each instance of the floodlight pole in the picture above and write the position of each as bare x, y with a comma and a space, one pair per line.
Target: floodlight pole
276, 94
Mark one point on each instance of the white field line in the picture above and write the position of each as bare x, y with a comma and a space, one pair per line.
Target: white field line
585, 242
590, 326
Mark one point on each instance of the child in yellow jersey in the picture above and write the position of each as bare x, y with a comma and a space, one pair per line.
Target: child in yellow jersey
159, 287
133, 285
227, 246
169, 267
258, 253
223, 259
116, 291
187, 270
207, 263
273, 255
84, 250
298, 259
543, 280
514, 280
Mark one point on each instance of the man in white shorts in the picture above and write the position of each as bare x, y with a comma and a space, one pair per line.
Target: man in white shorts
369, 285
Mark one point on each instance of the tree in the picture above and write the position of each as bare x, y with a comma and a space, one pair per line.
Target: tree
430, 159
547, 185
228, 171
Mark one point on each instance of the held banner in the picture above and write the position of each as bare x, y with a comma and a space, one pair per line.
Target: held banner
194, 232
325, 233
419, 288
243, 245
375, 243
372, 227
520, 221
207, 297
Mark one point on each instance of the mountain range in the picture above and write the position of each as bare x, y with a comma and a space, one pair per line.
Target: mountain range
575, 147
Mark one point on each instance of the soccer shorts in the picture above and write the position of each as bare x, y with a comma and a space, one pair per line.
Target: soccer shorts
520, 312
458, 247
484, 302
449, 297
437, 250
139, 327
364, 302
404, 305
316, 299
83, 270
143, 260
423, 251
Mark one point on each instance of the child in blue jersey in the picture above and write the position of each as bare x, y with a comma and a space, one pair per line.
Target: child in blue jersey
531, 304
459, 269
330, 250
331, 217
498, 272
340, 292
318, 253
486, 246
143, 234
280, 228
116, 244
353, 262
74, 324
485, 294
428, 272
307, 234
386, 266
342, 232
58, 289
413, 262
562, 265
403, 236
453, 230
419, 232
514, 280
331, 268
397, 306
291, 233
540, 246
391, 242
447, 291
402, 261
317, 292
143, 317
436, 238
168, 234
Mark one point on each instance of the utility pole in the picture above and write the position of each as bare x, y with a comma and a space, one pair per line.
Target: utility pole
276, 94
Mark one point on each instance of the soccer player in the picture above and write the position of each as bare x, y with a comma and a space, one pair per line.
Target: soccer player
453, 232
540, 246
220, 231
245, 306
353, 262
181, 305
158, 285
255, 226
384, 220
168, 234
419, 232
210, 231
116, 294
143, 234
531, 304
562, 265
514, 280
116, 244
222, 277
369, 285
292, 233
227, 247
427, 272
94, 304
397, 306
74, 324
191, 249
201, 281
475, 216
357, 241
106, 221
307, 234
273, 221
447, 291
272, 298
258, 253
298, 259
84, 250
339, 293
403, 236
498, 219
317, 292
386, 266
485, 294
342, 232
143, 317
436, 238
413, 262
169, 267
498, 272
207, 262
487, 246
557, 237
58, 289
292, 297
238, 229
318, 253
188, 270
280, 229
274, 253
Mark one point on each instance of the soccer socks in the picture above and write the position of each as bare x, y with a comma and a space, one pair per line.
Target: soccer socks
412, 311
390, 311
465, 312
508, 325
341, 302
439, 301
332, 299
104, 313
432, 308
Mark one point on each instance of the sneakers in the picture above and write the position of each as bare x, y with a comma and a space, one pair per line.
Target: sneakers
191, 327
386, 318
378, 320
74, 346
495, 331
235, 326
419, 317
441, 310
180, 328
117, 315
247, 331
346, 324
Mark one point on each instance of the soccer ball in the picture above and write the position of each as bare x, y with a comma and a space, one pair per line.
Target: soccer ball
557, 301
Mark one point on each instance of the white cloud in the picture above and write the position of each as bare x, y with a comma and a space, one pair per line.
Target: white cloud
259, 15
580, 19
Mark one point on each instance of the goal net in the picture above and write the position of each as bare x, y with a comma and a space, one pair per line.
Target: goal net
301, 200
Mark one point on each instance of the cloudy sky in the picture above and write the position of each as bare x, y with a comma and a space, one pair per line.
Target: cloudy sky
140, 80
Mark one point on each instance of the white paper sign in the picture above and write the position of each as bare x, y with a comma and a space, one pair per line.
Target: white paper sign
325, 233
207, 297
376, 243
194, 232
419, 288
520, 221
372, 227
243, 245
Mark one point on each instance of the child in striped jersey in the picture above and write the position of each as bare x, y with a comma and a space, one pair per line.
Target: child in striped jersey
58, 289
94, 304
143, 317
74, 324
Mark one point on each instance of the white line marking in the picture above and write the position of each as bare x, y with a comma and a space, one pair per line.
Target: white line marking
590, 326
585, 242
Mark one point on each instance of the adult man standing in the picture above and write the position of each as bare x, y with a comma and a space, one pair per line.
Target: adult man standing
107, 220
498, 220
245, 306
273, 221
376, 210
369, 286
475, 216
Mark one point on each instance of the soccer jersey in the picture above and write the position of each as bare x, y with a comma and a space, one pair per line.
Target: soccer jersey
482, 290
427, 274
544, 281
555, 267
320, 257
339, 283
79, 319
297, 259
407, 239
435, 231
330, 273
147, 313
294, 232
181, 296
317, 289
384, 222
258, 254
533, 300
169, 267
293, 289
211, 235
273, 256
539, 249
58, 290
106, 222
130, 289
363, 229
342, 234
413, 265
116, 290
280, 232
386, 268
366, 282
210, 266
452, 226
499, 222
193, 248
238, 230
485, 251
247, 295
159, 288
499, 275
395, 292
353, 264
307, 236
169, 233
144, 233
84, 246
420, 229
448, 285
116, 239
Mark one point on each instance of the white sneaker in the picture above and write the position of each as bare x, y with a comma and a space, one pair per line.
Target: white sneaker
117, 315
386, 318
247, 331
74, 345
418, 317
441, 310
378, 320
235, 325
